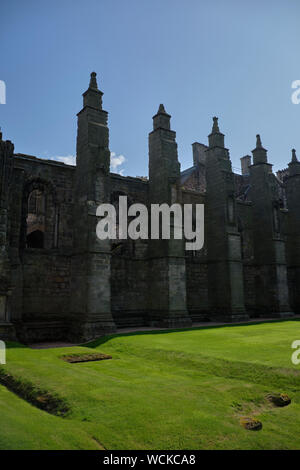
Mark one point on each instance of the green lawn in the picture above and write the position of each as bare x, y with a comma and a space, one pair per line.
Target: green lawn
166, 390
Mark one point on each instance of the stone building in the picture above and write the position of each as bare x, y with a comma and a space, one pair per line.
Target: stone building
59, 281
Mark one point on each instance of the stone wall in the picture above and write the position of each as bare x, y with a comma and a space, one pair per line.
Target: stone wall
59, 281
129, 266
41, 276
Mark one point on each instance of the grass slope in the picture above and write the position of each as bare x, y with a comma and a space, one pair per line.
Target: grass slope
167, 390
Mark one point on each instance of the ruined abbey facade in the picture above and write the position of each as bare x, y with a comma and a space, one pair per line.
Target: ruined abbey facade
59, 281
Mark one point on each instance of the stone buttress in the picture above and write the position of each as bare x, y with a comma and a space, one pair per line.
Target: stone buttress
292, 188
225, 270
91, 293
6, 169
167, 273
271, 288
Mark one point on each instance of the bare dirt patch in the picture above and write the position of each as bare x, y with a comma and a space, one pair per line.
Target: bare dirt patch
43, 399
251, 424
280, 399
75, 358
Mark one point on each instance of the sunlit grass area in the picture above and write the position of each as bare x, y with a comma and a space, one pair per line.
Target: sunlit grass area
183, 389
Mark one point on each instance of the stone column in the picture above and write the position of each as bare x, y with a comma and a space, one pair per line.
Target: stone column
272, 297
225, 269
91, 297
293, 230
245, 164
7, 330
167, 275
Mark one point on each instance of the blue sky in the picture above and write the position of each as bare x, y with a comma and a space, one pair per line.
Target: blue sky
233, 59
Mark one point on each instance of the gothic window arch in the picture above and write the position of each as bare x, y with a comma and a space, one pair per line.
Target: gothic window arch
39, 227
121, 246
231, 209
276, 218
242, 236
35, 220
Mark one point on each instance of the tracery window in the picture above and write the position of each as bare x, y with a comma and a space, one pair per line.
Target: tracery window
35, 221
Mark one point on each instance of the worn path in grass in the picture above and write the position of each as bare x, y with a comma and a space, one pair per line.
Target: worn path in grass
162, 390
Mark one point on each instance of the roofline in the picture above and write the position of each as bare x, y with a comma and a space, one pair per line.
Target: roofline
23, 156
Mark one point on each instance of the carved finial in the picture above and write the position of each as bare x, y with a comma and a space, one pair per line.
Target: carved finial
93, 81
161, 109
294, 156
161, 118
259, 153
215, 127
258, 142
216, 138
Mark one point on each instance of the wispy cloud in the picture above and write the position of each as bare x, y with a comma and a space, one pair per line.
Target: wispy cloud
68, 159
116, 161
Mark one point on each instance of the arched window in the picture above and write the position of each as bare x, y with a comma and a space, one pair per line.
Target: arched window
231, 210
241, 232
276, 220
40, 215
121, 246
35, 221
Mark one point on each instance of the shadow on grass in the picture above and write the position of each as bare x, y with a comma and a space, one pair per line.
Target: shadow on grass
103, 339
40, 398
14, 345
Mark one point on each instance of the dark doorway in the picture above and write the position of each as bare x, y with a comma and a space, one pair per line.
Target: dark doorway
35, 239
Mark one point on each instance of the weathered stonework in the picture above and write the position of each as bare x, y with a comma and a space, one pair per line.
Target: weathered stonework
58, 281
